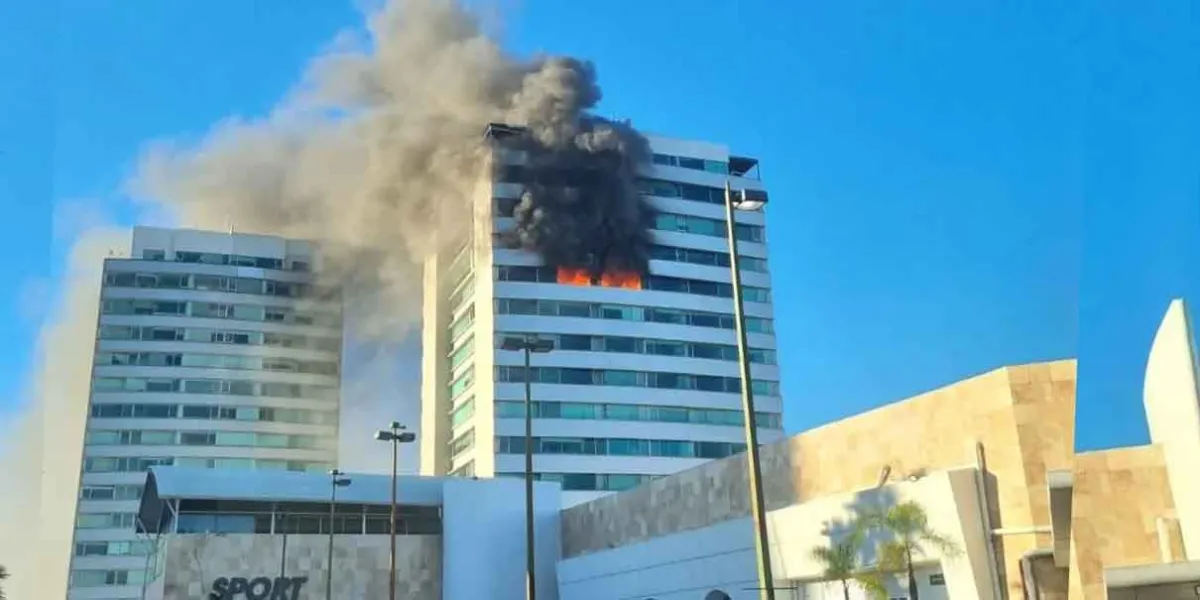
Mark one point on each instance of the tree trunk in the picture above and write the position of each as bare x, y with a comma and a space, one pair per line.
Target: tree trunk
912, 577
845, 589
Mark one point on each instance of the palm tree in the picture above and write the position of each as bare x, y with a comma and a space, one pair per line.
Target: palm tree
3, 576
911, 534
840, 562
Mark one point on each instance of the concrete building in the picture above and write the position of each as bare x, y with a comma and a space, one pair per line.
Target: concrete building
252, 534
990, 459
215, 351
643, 381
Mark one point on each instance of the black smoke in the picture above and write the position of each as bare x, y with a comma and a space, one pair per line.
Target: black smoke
581, 207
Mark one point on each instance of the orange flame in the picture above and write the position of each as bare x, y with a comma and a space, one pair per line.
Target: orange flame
617, 279
622, 279
569, 276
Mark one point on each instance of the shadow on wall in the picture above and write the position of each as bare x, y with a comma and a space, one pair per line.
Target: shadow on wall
865, 502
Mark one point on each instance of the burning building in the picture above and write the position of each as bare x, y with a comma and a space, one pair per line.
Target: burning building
612, 247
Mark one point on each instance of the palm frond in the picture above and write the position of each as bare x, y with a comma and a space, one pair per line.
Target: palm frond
945, 545
872, 583
893, 555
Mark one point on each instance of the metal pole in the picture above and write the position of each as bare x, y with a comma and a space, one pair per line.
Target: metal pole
392, 547
758, 515
329, 563
530, 582
283, 554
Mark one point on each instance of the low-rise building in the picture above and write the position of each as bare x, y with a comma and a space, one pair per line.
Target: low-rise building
991, 460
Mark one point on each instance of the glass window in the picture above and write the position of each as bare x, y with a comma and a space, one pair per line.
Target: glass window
559, 445
157, 438
620, 447
575, 342
197, 438
710, 351
666, 348
614, 377
522, 307
575, 376
709, 383
669, 381
622, 412
621, 344
578, 410
236, 438
574, 309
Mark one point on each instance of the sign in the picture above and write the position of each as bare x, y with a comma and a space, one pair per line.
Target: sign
258, 588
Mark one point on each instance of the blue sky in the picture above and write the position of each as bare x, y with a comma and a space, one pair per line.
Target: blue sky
955, 186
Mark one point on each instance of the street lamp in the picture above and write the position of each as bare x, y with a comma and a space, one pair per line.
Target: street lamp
748, 200
396, 435
529, 344
336, 480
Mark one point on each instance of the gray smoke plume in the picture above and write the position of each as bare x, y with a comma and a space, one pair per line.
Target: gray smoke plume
380, 154
581, 207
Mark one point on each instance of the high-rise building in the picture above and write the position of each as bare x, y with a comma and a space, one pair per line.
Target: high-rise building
214, 350
643, 380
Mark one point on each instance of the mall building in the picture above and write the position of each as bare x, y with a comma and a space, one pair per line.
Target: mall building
990, 459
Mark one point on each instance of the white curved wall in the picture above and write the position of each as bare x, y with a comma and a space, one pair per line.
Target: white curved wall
1173, 414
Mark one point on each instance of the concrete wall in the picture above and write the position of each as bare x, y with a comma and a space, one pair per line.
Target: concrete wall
1173, 414
687, 564
1023, 416
1119, 496
360, 564
484, 536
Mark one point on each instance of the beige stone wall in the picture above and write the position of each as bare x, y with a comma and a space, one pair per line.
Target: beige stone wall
1023, 415
360, 564
1119, 496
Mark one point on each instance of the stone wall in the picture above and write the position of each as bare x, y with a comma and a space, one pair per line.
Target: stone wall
1023, 415
1118, 499
360, 564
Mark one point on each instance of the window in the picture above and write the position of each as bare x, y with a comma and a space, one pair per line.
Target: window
618, 447
105, 520
462, 383
149, 254
459, 356
462, 443
191, 438
463, 413
97, 578
630, 313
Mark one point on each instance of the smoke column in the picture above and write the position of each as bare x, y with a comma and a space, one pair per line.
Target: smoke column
379, 153
40, 456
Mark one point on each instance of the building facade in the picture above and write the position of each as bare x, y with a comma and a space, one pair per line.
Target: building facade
213, 350
643, 380
989, 459
252, 535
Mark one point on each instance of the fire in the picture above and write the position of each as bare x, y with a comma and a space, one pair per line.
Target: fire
569, 276
617, 279
622, 279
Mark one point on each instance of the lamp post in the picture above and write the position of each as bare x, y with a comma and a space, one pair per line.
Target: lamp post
336, 480
748, 200
529, 344
396, 435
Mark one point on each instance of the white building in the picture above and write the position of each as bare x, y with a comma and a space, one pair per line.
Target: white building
213, 350
642, 382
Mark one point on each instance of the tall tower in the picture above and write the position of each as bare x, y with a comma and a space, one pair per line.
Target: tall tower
214, 350
643, 381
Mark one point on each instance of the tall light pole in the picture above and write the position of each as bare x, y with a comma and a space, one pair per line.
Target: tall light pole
749, 200
529, 344
396, 435
336, 480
